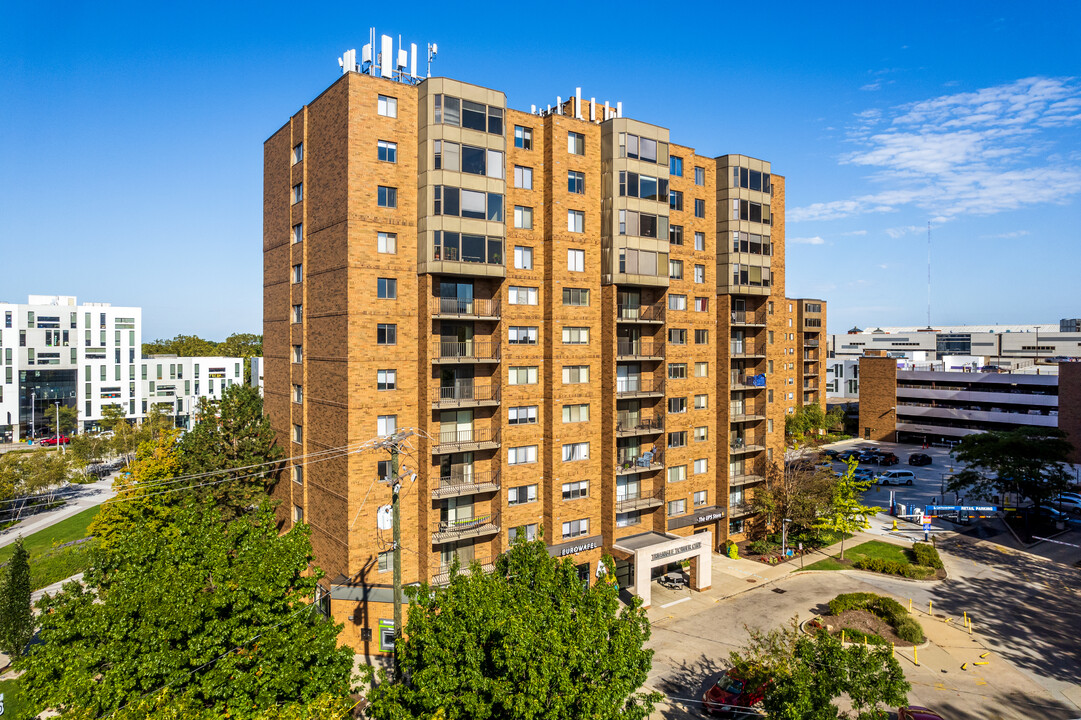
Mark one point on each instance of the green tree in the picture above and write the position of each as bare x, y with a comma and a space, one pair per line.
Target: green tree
85, 449
69, 418
232, 433
220, 614
793, 491
845, 513
525, 641
170, 706
1029, 461
181, 346
16, 620
111, 415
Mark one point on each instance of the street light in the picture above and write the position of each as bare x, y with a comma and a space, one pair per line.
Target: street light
33, 402
784, 537
57, 403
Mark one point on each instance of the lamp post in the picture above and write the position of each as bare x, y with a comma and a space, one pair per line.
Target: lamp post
33, 402
57, 403
784, 537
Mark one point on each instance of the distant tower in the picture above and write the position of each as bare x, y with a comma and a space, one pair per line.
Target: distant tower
928, 274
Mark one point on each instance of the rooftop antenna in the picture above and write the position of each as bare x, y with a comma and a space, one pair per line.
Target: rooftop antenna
928, 274
433, 48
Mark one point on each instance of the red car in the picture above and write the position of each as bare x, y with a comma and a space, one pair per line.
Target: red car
915, 712
62, 440
729, 695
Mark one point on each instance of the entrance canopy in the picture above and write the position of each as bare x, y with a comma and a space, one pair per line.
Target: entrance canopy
651, 549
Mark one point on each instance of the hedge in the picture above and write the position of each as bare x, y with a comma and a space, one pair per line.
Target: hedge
891, 611
927, 555
893, 567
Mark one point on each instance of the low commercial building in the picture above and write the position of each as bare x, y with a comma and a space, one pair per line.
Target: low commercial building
175, 385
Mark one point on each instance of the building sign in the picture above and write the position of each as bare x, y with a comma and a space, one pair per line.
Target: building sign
702, 515
676, 551
571, 548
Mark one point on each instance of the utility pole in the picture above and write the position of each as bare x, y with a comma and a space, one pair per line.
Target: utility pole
57, 402
396, 486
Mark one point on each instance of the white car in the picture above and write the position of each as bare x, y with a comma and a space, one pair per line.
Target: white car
1068, 502
896, 477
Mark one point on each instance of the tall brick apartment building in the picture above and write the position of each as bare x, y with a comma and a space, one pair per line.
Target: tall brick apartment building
584, 321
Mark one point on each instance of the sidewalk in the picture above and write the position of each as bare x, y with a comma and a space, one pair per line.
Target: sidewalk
78, 498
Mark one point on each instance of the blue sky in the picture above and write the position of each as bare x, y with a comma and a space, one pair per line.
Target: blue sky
132, 171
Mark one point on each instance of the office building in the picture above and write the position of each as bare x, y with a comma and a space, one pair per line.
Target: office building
584, 321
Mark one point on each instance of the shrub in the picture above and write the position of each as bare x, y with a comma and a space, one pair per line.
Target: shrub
909, 629
850, 601
858, 636
926, 555
733, 550
891, 611
893, 567
760, 547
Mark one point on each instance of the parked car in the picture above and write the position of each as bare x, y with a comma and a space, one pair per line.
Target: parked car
888, 458
830, 453
868, 456
1067, 503
916, 712
729, 695
919, 459
863, 474
847, 454
897, 477
62, 440
106, 434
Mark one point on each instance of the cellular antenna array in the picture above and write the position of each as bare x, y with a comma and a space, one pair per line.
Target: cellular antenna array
381, 60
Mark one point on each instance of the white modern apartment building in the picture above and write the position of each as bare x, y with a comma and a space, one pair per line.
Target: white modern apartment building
86, 356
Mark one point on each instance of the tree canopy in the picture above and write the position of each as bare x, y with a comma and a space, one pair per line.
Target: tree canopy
69, 418
527, 641
16, 621
218, 613
1029, 461
793, 491
245, 345
810, 419
845, 513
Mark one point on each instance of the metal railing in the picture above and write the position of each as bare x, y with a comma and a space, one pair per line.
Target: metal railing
468, 527
810, 342
748, 380
638, 384
628, 459
747, 479
810, 356
637, 423
469, 350
450, 440
745, 410
748, 317
463, 481
746, 443
653, 313
746, 347
640, 500
468, 392
637, 348
737, 509
465, 566
465, 308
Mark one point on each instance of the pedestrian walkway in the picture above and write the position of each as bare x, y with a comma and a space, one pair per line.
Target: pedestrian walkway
77, 498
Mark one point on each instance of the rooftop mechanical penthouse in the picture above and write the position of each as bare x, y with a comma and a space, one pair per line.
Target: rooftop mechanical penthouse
584, 320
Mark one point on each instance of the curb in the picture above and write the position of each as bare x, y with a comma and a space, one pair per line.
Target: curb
803, 629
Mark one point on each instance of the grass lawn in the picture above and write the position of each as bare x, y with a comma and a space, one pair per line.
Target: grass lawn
825, 564
48, 565
869, 549
14, 707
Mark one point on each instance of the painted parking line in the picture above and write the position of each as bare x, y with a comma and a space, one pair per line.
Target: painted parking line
674, 602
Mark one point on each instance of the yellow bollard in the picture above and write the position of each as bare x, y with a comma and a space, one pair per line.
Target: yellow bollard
893, 651
985, 655
978, 662
915, 657
910, 604
966, 618
894, 528
842, 636
946, 620
964, 666
929, 612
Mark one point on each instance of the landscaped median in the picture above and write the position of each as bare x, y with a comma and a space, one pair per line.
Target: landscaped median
57, 552
865, 617
921, 562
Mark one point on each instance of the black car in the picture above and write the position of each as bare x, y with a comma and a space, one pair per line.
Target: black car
831, 454
868, 456
847, 454
919, 459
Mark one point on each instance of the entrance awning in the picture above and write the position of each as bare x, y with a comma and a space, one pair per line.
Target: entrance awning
652, 549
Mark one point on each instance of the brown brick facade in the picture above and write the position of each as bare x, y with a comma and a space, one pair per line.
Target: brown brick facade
878, 399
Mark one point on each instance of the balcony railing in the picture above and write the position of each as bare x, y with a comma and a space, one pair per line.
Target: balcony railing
637, 385
463, 481
748, 317
810, 342
467, 393
739, 509
737, 480
746, 443
640, 501
460, 440
748, 381
638, 349
465, 566
637, 424
747, 348
810, 356
640, 313
632, 461
457, 307
461, 529
745, 412
469, 351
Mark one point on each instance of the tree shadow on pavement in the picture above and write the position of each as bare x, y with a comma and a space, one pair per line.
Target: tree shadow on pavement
686, 683
1022, 706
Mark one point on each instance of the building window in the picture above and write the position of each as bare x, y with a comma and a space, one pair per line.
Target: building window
677, 439
575, 374
576, 143
677, 473
675, 234
576, 528
675, 269
523, 137
575, 336
523, 178
700, 498
701, 402
524, 375
576, 413
575, 451
578, 297
527, 532
386, 425
677, 507
701, 369
298, 393
700, 241
576, 260
523, 217
699, 273
576, 182
677, 336
298, 313
388, 106
576, 220
298, 273
386, 379
298, 153
675, 166
298, 434
677, 405
700, 466
298, 514
388, 197
677, 371
386, 561
735, 527
675, 200
522, 455
769, 395
524, 415
387, 288
628, 518
298, 233
701, 304
522, 335
701, 433
699, 176
388, 151
699, 208
517, 295
386, 243
298, 353
386, 334
298, 192
677, 302
575, 490
523, 255
521, 495
298, 474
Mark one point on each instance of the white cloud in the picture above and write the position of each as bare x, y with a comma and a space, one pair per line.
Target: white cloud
899, 232
975, 153
854, 232
816, 240
1006, 235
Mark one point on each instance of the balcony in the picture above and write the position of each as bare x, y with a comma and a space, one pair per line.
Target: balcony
459, 309
635, 386
472, 351
749, 317
748, 381
739, 510
639, 350
628, 424
746, 348
463, 481
628, 461
749, 444
463, 529
640, 501
746, 412
810, 356
810, 342
465, 440
442, 575
738, 480
467, 394
653, 314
